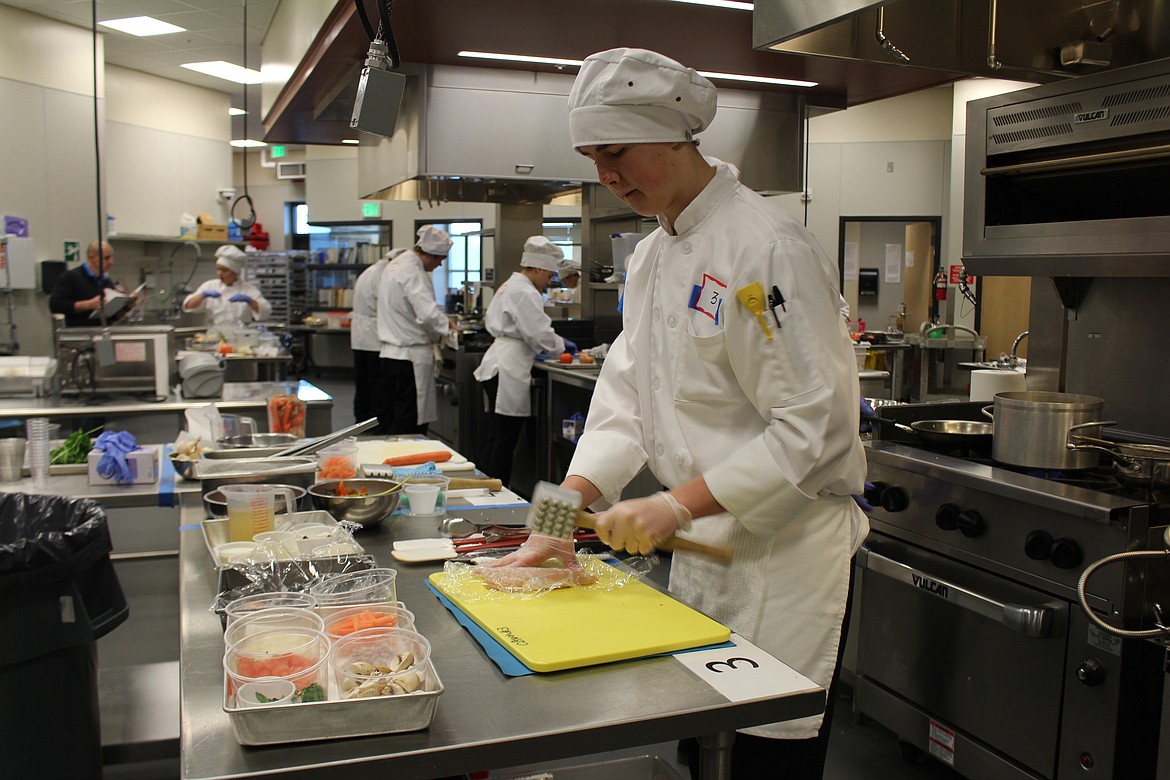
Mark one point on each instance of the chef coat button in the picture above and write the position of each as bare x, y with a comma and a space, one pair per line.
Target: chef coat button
655, 383
672, 320
659, 450
686, 247
681, 458
657, 314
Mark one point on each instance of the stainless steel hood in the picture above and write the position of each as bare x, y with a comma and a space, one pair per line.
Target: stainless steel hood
1037, 40
501, 136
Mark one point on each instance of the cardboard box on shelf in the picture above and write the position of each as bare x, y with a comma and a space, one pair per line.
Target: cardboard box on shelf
143, 464
208, 229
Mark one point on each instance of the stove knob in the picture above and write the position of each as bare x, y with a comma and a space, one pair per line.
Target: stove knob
1066, 553
895, 499
971, 523
1091, 672
1038, 545
947, 517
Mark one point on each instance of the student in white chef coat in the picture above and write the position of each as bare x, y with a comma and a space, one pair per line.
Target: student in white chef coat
748, 414
409, 323
569, 272
368, 391
521, 330
227, 298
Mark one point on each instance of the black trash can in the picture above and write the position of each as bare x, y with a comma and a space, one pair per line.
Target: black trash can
58, 594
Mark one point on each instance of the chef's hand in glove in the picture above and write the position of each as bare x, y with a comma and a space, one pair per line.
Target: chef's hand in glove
538, 549
862, 500
240, 298
867, 414
211, 294
639, 525
114, 445
570, 346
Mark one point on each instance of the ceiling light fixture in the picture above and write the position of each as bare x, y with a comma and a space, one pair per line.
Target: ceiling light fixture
739, 6
233, 111
226, 71
350, 141
246, 143
142, 26
484, 55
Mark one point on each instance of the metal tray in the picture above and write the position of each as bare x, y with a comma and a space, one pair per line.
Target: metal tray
283, 723
215, 529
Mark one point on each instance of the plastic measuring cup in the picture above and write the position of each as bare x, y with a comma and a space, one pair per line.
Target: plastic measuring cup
251, 509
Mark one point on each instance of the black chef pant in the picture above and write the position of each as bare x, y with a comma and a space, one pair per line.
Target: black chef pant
369, 390
761, 758
401, 411
503, 435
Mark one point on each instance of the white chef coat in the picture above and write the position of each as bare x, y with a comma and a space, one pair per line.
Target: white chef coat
692, 386
363, 329
521, 329
222, 312
409, 322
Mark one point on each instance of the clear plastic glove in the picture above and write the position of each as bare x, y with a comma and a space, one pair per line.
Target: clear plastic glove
570, 346
211, 294
867, 414
861, 500
114, 445
637, 526
240, 298
538, 549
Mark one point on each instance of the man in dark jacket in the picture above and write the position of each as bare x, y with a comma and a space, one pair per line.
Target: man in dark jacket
79, 291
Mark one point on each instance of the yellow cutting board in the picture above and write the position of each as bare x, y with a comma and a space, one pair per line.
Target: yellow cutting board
582, 626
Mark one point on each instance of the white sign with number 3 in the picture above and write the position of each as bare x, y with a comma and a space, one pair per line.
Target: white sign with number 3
745, 671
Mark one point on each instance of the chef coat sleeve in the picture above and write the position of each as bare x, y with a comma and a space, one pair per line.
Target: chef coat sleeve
421, 295
610, 453
263, 307
536, 326
197, 295
803, 383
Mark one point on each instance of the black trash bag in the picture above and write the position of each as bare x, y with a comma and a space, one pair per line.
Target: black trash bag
58, 594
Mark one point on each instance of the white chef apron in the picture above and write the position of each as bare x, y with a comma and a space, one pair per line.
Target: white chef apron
511, 360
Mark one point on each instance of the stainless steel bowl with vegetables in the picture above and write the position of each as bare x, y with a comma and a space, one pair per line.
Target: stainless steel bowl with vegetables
367, 502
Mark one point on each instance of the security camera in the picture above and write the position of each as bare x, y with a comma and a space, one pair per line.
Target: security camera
227, 196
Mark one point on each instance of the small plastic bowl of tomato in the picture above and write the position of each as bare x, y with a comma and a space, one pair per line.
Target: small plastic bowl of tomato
296, 654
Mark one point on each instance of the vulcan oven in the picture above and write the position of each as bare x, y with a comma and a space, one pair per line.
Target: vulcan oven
972, 645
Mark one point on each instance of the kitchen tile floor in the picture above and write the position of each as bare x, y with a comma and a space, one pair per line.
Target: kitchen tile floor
859, 749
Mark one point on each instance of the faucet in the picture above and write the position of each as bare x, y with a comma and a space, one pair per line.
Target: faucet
1016, 345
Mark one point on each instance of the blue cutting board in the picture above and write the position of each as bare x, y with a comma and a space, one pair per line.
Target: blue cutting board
582, 626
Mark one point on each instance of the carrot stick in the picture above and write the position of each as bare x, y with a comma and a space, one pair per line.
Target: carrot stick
418, 458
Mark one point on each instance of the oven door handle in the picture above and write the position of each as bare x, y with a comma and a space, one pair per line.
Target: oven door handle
1029, 621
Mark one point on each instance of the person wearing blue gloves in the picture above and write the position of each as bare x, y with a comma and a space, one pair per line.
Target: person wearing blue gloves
227, 298
521, 330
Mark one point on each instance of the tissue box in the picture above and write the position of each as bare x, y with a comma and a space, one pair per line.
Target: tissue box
143, 464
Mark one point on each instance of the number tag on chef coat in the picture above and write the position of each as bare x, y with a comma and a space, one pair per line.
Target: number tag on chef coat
745, 671
706, 306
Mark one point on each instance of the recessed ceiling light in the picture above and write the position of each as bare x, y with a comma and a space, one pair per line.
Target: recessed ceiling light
233, 111
142, 26
226, 70
484, 55
350, 141
247, 143
739, 6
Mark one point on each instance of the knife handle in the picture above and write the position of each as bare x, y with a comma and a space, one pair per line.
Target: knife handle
585, 520
466, 483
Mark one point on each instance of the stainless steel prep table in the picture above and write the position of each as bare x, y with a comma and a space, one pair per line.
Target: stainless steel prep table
484, 719
247, 398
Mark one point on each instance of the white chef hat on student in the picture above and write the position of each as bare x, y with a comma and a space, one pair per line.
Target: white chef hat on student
629, 96
434, 241
541, 253
567, 267
231, 258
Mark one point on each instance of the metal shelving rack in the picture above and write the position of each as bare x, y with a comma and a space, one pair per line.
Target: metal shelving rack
283, 279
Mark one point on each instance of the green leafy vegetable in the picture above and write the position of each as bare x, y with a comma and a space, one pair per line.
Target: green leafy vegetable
74, 449
262, 698
309, 693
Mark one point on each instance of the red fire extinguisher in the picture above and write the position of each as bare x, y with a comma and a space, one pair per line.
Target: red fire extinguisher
940, 285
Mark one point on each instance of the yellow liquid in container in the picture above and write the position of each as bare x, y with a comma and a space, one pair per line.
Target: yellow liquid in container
244, 524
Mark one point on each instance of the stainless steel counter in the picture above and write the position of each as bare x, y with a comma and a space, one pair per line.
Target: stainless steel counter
484, 719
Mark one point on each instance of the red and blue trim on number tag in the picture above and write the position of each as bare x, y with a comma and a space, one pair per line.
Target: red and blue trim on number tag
707, 297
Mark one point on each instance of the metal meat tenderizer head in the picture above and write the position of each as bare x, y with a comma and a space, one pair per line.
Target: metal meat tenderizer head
554, 510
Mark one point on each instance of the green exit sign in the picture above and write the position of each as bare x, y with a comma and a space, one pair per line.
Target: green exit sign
278, 151
371, 209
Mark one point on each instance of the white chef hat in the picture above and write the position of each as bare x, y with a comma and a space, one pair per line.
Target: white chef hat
231, 258
541, 253
434, 241
567, 267
630, 96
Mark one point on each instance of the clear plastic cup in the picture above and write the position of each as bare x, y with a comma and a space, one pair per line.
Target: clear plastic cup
426, 496
37, 429
350, 620
364, 586
257, 601
297, 654
282, 544
337, 462
354, 657
272, 618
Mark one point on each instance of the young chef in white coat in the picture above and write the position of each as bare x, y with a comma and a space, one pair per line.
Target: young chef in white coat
747, 413
409, 322
368, 392
227, 298
569, 272
521, 330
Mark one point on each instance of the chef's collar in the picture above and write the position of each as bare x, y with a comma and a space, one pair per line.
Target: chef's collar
720, 187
